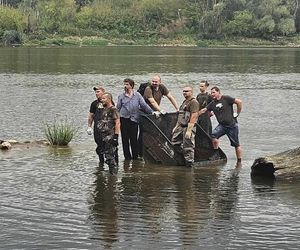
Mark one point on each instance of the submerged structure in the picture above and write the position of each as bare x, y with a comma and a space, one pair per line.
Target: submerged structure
158, 148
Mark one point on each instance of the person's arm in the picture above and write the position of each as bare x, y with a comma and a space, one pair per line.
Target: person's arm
154, 104
194, 117
173, 101
119, 103
90, 119
117, 126
202, 111
239, 106
149, 97
143, 105
194, 107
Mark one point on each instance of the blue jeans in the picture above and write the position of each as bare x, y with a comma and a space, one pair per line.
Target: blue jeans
232, 133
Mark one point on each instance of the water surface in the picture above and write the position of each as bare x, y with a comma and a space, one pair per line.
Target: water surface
60, 199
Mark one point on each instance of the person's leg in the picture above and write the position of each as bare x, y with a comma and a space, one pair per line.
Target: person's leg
125, 126
110, 158
140, 141
100, 146
188, 148
233, 135
238, 152
177, 138
216, 134
133, 133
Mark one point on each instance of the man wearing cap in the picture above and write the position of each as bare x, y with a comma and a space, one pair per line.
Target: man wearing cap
95, 113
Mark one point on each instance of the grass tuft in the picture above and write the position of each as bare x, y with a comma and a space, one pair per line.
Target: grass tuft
60, 133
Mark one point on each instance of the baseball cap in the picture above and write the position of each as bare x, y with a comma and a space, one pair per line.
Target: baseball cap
98, 87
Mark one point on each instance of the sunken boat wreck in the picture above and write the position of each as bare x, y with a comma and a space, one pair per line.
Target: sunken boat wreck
158, 148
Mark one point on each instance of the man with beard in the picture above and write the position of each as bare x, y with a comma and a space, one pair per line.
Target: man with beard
129, 105
109, 129
183, 136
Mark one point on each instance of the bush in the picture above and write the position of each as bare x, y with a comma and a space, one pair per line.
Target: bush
60, 133
11, 37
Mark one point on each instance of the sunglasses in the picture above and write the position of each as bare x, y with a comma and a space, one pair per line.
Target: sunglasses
186, 91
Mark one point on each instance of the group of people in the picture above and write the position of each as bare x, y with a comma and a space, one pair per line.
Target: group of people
110, 120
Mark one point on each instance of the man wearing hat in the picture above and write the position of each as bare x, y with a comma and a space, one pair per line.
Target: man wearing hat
95, 113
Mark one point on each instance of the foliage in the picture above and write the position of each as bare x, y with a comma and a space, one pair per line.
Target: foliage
60, 133
152, 20
241, 25
11, 19
11, 37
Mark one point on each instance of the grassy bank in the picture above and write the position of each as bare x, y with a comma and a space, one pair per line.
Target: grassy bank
183, 41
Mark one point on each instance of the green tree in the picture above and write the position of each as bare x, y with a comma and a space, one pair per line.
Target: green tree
241, 25
56, 15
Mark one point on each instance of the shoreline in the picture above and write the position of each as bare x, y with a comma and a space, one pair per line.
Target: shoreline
96, 41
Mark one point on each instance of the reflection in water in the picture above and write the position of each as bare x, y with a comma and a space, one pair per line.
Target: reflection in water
226, 196
104, 209
165, 205
60, 151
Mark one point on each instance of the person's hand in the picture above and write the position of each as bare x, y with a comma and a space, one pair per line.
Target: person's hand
156, 113
89, 131
235, 115
163, 112
189, 131
114, 140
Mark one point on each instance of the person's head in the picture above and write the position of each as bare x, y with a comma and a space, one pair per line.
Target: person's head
156, 80
203, 86
187, 92
107, 99
99, 91
215, 93
128, 84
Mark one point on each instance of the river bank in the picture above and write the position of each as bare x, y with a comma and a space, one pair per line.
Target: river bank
56, 40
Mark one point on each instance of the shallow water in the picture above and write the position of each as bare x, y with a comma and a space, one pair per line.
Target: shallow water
59, 198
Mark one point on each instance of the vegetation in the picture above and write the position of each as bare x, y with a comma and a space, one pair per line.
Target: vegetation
148, 21
60, 133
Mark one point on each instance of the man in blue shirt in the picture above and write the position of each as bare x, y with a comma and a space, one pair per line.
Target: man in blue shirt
129, 105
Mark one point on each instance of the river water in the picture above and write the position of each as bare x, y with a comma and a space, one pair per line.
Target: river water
57, 198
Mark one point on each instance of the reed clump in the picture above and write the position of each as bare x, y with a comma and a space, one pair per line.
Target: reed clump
60, 133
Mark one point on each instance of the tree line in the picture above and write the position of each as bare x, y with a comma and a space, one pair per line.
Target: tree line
149, 19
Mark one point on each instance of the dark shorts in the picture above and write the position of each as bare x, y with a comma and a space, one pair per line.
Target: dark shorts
231, 132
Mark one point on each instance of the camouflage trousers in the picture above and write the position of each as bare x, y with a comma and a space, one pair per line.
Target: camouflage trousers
184, 145
109, 151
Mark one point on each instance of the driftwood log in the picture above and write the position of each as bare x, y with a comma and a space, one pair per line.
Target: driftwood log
282, 165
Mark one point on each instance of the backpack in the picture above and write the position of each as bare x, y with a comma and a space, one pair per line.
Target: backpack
142, 87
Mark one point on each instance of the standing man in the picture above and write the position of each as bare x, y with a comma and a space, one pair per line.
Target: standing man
109, 128
154, 93
222, 106
204, 98
94, 116
129, 105
183, 137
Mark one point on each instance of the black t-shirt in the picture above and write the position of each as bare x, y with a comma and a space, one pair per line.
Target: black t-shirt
203, 100
223, 110
96, 108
